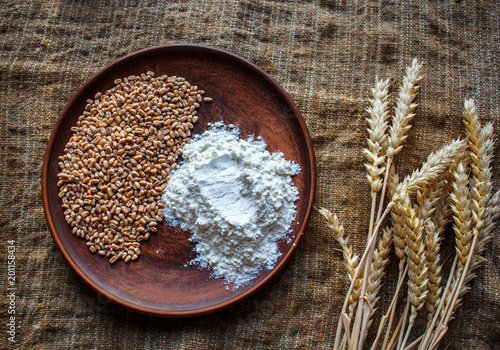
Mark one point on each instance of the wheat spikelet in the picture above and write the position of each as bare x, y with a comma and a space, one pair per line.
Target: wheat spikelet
377, 126
404, 109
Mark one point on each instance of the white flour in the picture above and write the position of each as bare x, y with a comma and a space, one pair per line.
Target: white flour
237, 200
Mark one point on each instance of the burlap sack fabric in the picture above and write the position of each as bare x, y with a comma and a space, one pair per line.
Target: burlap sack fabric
327, 55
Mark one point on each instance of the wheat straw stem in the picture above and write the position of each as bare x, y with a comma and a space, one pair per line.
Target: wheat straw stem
429, 330
451, 306
369, 247
408, 330
414, 343
399, 327
392, 308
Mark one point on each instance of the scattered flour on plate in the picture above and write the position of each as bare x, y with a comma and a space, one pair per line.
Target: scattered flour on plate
236, 199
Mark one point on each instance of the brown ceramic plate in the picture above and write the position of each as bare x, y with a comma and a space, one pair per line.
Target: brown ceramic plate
161, 282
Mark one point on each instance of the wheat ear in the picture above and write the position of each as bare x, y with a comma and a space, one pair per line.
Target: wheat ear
432, 245
485, 204
404, 108
417, 262
403, 114
434, 235
350, 259
379, 262
437, 162
377, 127
441, 217
377, 143
462, 215
430, 209
460, 204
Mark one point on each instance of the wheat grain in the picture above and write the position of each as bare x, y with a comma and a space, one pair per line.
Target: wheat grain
118, 160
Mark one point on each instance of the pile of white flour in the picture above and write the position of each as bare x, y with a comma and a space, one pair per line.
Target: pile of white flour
236, 199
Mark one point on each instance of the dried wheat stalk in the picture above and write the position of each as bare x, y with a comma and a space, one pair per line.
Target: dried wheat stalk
444, 193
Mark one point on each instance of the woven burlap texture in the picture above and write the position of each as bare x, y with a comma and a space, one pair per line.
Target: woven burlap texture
327, 55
